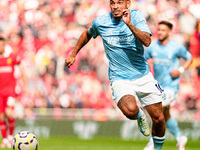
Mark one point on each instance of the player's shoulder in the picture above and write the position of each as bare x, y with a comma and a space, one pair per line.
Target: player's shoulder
102, 19
136, 15
154, 43
12, 55
175, 44
135, 11
153, 46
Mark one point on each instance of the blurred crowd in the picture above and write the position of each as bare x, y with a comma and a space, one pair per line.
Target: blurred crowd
44, 32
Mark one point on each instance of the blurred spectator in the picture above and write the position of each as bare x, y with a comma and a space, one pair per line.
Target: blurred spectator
195, 42
43, 32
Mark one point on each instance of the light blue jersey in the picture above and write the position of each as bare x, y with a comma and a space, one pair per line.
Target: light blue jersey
123, 50
166, 58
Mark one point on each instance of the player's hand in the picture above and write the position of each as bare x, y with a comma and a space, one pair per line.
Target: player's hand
69, 61
175, 73
126, 16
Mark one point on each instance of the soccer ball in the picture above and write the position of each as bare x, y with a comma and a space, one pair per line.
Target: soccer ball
25, 140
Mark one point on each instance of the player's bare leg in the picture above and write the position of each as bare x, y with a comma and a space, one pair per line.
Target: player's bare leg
3, 130
166, 113
11, 124
129, 108
127, 105
158, 124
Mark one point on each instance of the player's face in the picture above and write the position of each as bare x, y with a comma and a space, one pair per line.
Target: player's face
2, 46
117, 7
163, 32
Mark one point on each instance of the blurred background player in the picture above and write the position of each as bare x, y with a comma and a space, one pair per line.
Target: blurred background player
124, 32
165, 55
7, 94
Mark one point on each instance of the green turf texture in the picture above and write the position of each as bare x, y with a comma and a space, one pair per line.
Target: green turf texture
73, 143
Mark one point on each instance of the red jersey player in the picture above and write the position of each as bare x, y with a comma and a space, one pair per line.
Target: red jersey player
7, 94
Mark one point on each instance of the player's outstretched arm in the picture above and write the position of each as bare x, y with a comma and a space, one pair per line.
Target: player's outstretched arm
176, 73
83, 40
141, 36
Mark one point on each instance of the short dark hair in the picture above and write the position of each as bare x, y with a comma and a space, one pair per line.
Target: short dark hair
170, 25
2, 39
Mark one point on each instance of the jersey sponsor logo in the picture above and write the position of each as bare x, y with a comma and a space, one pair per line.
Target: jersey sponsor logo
162, 61
6, 69
120, 40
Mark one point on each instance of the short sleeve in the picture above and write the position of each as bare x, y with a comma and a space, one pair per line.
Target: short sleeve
93, 29
140, 21
147, 53
184, 53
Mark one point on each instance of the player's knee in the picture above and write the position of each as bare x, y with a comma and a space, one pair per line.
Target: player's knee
2, 117
131, 112
159, 120
9, 115
127, 105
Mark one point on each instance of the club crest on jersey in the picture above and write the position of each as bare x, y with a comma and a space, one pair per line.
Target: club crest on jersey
9, 61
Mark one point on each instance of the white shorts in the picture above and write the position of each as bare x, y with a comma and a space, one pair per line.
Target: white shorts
170, 96
145, 88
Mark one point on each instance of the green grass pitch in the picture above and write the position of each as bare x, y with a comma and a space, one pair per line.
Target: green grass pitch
106, 143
